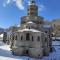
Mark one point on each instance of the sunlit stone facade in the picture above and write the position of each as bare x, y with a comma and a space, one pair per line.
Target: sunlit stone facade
31, 39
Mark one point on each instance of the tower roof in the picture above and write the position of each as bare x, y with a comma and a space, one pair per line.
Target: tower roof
32, 2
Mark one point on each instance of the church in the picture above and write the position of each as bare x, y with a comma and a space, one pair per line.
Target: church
33, 38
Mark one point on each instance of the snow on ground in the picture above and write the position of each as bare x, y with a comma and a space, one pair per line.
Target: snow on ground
5, 53
56, 43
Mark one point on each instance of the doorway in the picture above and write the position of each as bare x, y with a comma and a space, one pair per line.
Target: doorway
26, 52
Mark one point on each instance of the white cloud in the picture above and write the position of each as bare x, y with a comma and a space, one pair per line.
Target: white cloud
4, 5
41, 7
19, 3
8, 1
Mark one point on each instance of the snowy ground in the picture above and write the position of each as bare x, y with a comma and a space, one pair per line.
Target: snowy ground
5, 53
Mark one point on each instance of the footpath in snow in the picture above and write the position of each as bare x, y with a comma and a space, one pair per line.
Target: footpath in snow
5, 53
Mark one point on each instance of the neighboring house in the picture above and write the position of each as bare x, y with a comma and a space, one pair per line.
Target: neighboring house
10, 31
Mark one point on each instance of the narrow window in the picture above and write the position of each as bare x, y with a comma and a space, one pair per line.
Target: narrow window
16, 37
28, 13
45, 39
38, 38
45, 31
28, 9
27, 36
32, 38
21, 37
29, 27
12, 37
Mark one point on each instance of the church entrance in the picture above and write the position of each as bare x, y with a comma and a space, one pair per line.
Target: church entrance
26, 52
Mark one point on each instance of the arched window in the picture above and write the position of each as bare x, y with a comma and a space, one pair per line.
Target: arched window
28, 13
45, 31
45, 39
29, 27
27, 36
21, 37
28, 9
12, 37
16, 37
32, 38
38, 38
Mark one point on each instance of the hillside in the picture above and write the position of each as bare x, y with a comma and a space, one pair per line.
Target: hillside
56, 26
56, 22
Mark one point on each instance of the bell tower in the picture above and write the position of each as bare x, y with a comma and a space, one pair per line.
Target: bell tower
32, 8
32, 14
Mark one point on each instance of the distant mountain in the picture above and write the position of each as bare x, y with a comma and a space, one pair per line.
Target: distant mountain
1, 30
56, 25
56, 22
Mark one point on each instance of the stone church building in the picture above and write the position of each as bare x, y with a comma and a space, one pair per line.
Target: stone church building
33, 38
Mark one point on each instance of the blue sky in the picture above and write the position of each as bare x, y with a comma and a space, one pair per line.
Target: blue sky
12, 10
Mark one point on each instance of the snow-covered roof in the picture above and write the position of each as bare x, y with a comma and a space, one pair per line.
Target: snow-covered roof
30, 22
26, 29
